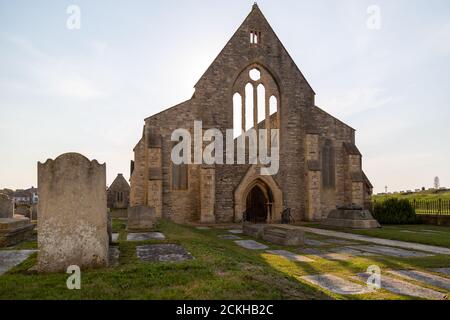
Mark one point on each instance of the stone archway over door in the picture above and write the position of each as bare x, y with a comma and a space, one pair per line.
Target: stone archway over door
258, 209
269, 192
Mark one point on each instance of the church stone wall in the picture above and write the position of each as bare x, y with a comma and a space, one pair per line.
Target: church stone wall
304, 129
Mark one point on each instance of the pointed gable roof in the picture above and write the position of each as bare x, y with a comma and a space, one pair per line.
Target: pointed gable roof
254, 17
119, 182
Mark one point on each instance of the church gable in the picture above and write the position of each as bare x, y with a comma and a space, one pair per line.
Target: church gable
254, 42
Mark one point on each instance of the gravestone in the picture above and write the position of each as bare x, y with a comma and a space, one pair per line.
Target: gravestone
391, 251
354, 218
315, 243
251, 245
336, 284
6, 207
115, 238
114, 256
33, 210
162, 253
421, 276
229, 237
12, 230
141, 218
404, 288
290, 255
73, 221
145, 236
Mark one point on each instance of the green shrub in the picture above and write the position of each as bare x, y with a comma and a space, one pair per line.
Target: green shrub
395, 211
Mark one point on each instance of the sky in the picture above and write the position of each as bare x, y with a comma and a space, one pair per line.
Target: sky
88, 90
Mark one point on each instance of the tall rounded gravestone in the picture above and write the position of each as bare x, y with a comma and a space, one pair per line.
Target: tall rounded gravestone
6, 207
72, 224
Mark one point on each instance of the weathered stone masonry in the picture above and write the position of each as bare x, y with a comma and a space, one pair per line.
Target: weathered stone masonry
320, 166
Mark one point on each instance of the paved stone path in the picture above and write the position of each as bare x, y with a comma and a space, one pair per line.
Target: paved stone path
163, 253
229, 237
237, 231
145, 236
384, 242
11, 258
336, 284
426, 277
251, 245
290, 256
404, 288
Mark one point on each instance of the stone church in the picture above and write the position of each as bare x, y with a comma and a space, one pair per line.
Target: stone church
252, 83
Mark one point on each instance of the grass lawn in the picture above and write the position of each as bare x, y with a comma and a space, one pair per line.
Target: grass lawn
220, 270
419, 196
410, 233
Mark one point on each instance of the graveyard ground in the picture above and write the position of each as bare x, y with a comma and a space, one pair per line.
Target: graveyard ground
220, 270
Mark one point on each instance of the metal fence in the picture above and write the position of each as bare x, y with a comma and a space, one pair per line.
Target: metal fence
429, 207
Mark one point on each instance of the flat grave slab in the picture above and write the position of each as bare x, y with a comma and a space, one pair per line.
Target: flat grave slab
391, 251
336, 284
229, 237
324, 254
290, 255
251, 245
445, 271
203, 228
341, 242
115, 237
310, 251
314, 243
351, 252
11, 258
114, 255
162, 253
145, 236
333, 256
426, 277
431, 231
236, 231
404, 288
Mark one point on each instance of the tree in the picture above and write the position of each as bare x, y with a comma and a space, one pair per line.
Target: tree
437, 183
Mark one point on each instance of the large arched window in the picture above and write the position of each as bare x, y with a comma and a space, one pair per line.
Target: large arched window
256, 101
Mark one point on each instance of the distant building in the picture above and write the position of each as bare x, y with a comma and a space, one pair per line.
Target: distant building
119, 193
26, 197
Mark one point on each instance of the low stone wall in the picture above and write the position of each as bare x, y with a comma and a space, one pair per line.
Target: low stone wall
439, 220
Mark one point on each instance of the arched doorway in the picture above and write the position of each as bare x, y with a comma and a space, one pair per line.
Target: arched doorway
255, 192
257, 210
